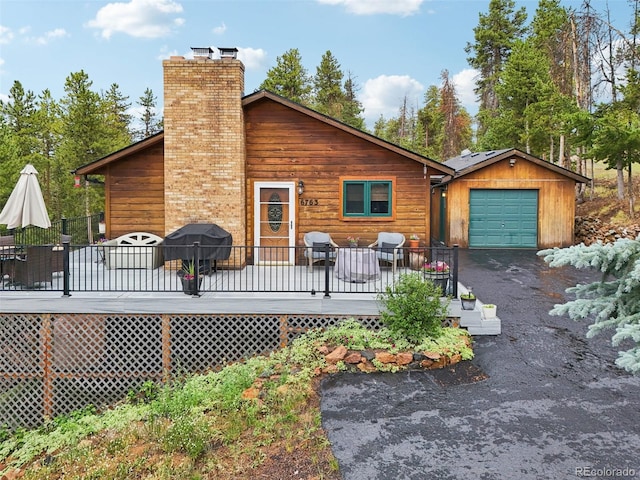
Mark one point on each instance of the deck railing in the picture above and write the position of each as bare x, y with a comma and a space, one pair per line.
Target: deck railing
94, 268
83, 231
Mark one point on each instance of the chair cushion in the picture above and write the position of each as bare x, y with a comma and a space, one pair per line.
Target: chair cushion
319, 246
387, 247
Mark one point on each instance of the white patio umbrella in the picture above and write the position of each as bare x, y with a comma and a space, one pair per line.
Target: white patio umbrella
26, 204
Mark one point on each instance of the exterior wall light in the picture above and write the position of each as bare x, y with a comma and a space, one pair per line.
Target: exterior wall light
300, 187
512, 162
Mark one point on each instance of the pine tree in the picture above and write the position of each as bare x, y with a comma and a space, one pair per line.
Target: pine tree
494, 37
289, 78
352, 110
150, 123
327, 86
613, 303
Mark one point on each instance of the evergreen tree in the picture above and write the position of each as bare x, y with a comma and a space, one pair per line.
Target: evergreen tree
327, 86
431, 123
289, 78
150, 123
352, 110
48, 138
117, 119
494, 38
612, 303
83, 129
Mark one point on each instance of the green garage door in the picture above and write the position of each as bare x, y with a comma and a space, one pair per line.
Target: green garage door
503, 218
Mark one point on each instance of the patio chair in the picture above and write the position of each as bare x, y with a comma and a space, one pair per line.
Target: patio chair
35, 267
389, 248
7, 254
316, 243
57, 262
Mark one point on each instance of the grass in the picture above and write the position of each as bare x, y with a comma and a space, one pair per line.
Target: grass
256, 419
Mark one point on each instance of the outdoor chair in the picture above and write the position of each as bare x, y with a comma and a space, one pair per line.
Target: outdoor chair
389, 248
7, 254
316, 243
57, 261
35, 267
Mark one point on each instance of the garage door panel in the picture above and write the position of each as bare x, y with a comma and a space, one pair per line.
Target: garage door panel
503, 218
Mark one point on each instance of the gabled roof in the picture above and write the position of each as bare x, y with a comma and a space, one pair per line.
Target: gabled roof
263, 95
469, 162
123, 152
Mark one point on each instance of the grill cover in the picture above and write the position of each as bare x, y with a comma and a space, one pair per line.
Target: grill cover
215, 242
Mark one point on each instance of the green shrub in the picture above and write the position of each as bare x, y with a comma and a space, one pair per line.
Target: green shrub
412, 307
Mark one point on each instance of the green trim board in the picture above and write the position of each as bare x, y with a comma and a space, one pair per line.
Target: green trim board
503, 218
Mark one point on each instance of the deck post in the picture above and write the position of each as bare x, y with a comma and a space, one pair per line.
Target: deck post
66, 289
327, 292
455, 271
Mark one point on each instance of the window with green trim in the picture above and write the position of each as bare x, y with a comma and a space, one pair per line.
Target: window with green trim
366, 198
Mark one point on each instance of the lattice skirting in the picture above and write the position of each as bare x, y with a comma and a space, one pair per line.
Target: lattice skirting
53, 364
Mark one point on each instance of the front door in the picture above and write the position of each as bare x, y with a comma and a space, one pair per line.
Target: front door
274, 222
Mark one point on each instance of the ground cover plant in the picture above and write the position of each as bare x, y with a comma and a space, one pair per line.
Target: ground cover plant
255, 419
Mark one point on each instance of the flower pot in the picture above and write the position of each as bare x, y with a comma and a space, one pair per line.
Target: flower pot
189, 285
439, 279
468, 303
353, 244
489, 311
414, 243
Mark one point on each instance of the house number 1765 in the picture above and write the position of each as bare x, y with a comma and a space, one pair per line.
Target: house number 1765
309, 202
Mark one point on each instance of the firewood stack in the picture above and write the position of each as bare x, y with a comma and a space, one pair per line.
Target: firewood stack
589, 230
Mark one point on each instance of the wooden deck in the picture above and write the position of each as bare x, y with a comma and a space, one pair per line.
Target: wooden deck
223, 292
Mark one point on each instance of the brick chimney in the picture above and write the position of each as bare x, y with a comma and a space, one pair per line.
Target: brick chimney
204, 143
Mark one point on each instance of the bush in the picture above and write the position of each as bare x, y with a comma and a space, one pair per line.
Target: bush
412, 307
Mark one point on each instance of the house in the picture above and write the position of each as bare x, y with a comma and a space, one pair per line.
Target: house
268, 170
505, 199
262, 167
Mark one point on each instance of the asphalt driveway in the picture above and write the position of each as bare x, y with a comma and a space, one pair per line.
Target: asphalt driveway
554, 405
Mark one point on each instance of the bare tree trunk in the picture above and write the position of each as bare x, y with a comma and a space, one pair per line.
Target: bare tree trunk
620, 179
631, 196
561, 158
551, 148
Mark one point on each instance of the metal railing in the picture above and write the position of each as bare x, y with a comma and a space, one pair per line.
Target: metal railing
106, 268
83, 231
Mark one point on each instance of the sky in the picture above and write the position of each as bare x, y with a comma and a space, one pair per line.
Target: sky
392, 48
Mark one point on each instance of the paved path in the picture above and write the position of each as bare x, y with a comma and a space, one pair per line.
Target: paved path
554, 406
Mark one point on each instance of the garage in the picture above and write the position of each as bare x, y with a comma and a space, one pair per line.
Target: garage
503, 218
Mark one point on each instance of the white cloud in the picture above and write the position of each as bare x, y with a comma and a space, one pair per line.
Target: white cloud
372, 7
138, 18
6, 35
220, 29
385, 94
49, 36
253, 58
465, 82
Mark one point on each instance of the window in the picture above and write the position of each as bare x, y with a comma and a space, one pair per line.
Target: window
367, 198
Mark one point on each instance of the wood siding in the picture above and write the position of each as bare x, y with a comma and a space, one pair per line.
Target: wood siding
285, 145
556, 200
134, 196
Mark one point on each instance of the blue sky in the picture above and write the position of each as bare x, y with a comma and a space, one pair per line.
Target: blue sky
393, 48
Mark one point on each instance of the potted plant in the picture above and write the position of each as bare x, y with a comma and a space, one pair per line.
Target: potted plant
468, 300
438, 273
489, 311
414, 241
353, 241
188, 278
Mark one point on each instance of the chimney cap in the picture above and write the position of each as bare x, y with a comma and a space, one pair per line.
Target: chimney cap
226, 52
202, 52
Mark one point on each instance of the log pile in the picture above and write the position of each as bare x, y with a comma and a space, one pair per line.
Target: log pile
590, 229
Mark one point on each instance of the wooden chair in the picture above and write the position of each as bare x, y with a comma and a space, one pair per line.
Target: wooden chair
389, 248
35, 267
316, 243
